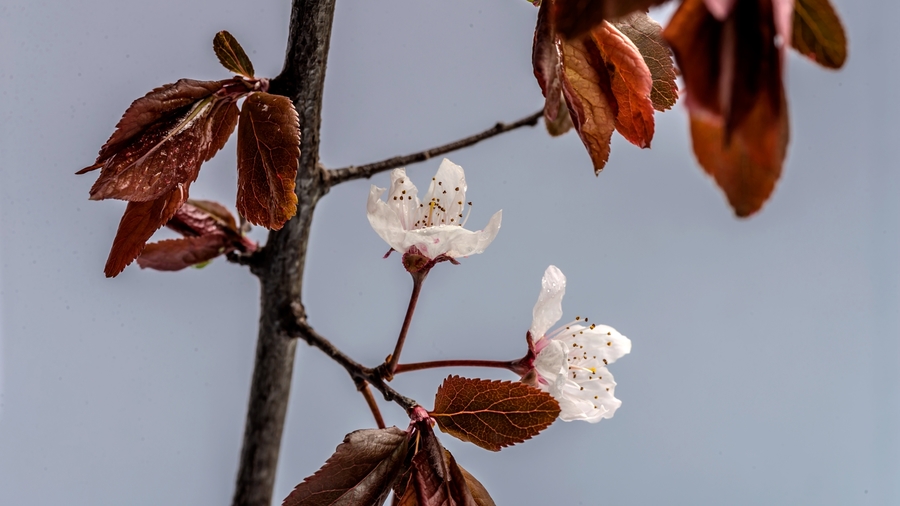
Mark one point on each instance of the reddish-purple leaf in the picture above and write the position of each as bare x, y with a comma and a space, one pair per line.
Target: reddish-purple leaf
209, 230
268, 153
153, 107
647, 36
747, 165
588, 94
167, 152
203, 217
360, 472
732, 74
138, 223
479, 493
818, 34
545, 59
575, 18
492, 414
176, 254
231, 54
436, 477
630, 81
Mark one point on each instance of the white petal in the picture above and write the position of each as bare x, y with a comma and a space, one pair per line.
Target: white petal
449, 176
590, 400
403, 198
473, 243
550, 364
548, 309
384, 220
603, 342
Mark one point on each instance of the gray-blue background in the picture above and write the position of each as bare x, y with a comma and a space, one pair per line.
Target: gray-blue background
766, 357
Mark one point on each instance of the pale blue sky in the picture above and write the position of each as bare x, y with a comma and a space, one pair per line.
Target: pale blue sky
765, 366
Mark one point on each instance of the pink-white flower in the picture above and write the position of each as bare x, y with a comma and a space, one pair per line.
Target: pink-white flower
433, 226
571, 361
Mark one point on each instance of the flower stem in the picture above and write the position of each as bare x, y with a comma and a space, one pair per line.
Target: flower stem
419, 366
373, 404
418, 279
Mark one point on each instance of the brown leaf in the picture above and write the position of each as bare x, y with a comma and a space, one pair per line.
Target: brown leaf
138, 223
209, 230
479, 493
647, 36
155, 106
231, 54
588, 94
732, 74
726, 64
575, 18
360, 472
408, 498
630, 82
176, 254
545, 61
167, 152
492, 414
436, 478
748, 165
818, 34
268, 153
203, 217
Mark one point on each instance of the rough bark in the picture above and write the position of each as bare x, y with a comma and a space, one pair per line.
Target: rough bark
280, 266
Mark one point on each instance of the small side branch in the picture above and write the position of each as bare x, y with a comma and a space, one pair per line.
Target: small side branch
364, 389
336, 176
301, 329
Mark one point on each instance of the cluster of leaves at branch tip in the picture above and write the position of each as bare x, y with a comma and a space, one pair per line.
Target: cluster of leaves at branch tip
412, 463
604, 66
159, 145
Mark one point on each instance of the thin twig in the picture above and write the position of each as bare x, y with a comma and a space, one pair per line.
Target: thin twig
301, 329
511, 365
336, 176
364, 389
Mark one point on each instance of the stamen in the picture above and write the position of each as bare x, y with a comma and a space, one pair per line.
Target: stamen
463, 224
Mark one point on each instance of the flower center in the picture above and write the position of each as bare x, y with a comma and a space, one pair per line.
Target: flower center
445, 209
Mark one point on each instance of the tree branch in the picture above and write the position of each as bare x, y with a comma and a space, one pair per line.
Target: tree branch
280, 268
336, 176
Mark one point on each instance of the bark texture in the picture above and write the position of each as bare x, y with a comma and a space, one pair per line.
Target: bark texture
280, 264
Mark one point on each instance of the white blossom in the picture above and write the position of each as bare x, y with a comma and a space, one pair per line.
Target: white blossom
571, 360
434, 226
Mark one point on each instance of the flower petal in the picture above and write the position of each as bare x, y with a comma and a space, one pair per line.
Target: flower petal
466, 242
448, 188
548, 309
550, 364
601, 342
384, 220
589, 400
403, 198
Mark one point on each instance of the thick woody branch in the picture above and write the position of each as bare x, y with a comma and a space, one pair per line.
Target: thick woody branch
336, 176
279, 266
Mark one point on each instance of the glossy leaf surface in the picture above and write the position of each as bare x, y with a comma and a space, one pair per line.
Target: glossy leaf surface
167, 152
361, 471
646, 34
231, 55
268, 153
492, 414
140, 221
